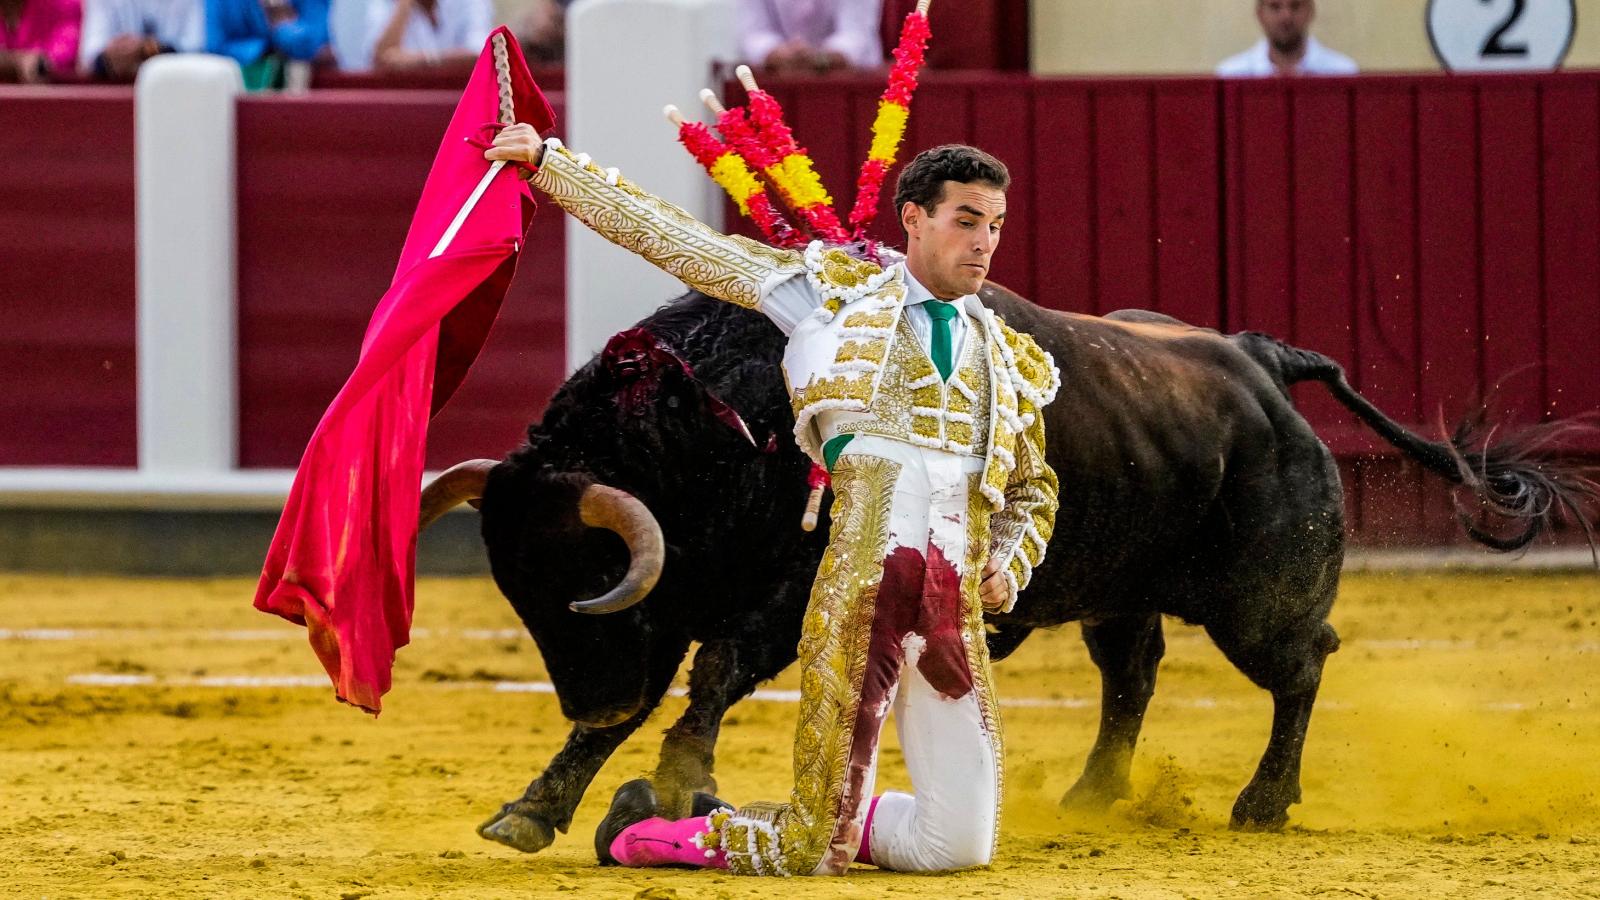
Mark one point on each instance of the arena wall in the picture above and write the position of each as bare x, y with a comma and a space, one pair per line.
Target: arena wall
67, 279
1435, 234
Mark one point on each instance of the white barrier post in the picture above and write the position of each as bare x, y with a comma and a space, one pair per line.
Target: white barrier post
184, 152
625, 60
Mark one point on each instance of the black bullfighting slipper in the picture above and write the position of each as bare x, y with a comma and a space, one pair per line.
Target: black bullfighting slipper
704, 804
634, 802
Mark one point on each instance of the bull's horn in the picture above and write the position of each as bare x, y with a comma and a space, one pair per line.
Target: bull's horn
620, 511
461, 483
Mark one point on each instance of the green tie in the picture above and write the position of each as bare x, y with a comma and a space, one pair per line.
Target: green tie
941, 312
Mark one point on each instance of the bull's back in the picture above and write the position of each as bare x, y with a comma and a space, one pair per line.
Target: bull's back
1164, 437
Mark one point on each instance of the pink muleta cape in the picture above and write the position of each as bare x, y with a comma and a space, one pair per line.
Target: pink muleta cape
343, 560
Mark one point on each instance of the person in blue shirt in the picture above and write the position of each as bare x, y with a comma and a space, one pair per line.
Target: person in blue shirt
255, 31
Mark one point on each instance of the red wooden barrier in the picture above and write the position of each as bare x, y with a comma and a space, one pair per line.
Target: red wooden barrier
67, 391
327, 184
1413, 228
1435, 234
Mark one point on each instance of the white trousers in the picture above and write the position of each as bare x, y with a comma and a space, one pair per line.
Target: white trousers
949, 821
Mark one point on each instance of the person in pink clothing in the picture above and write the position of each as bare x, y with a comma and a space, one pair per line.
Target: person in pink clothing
38, 37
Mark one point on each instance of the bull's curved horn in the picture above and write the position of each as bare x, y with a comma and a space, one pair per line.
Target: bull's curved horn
461, 483
619, 511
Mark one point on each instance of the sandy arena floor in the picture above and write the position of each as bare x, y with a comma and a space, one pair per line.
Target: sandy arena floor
161, 738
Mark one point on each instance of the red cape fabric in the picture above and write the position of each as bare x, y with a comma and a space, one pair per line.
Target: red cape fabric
343, 560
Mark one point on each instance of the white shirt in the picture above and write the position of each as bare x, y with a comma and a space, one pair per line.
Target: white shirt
462, 25
917, 299
179, 24
1257, 62
791, 300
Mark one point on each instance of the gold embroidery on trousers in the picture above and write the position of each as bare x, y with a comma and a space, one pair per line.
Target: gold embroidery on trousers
790, 839
973, 632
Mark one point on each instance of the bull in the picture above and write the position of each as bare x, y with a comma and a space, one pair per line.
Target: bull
1191, 487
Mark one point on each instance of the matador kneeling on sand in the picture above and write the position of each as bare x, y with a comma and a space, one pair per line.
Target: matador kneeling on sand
927, 411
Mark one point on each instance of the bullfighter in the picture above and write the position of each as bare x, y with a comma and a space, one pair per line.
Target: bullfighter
927, 411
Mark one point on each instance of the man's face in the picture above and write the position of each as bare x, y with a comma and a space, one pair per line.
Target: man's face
949, 248
1286, 22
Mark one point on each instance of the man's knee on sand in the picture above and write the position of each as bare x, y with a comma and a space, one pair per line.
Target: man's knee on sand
906, 842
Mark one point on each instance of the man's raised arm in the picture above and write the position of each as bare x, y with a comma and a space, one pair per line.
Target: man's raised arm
728, 267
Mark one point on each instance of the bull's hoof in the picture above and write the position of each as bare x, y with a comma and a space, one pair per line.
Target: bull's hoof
517, 831
1260, 810
677, 801
705, 804
634, 802
1094, 796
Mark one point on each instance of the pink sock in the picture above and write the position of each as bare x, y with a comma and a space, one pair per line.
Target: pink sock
659, 842
864, 852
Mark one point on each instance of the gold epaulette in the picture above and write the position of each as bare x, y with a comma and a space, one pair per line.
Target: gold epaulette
840, 278
1037, 379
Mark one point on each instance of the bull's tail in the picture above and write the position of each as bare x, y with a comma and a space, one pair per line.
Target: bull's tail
1523, 478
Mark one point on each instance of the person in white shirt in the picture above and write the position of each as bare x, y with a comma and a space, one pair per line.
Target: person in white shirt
1287, 47
410, 34
119, 35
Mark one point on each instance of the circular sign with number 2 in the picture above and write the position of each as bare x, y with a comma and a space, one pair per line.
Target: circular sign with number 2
1501, 35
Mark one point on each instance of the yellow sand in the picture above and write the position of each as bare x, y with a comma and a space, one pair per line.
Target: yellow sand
1454, 753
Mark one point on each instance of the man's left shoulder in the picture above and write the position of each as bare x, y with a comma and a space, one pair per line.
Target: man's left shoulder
1240, 65
1034, 365
1323, 61
1018, 341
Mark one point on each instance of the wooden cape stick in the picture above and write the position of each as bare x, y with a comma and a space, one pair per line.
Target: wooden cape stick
508, 114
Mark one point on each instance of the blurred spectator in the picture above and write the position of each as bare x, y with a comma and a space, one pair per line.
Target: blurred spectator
1288, 47
38, 37
811, 35
541, 28
119, 35
414, 34
261, 34
347, 34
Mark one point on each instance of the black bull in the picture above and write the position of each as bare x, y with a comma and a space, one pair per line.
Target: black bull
1190, 487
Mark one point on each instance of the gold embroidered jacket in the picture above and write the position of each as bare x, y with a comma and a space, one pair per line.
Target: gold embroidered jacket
836, 357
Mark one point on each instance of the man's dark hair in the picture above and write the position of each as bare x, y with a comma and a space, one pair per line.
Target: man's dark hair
922, 180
